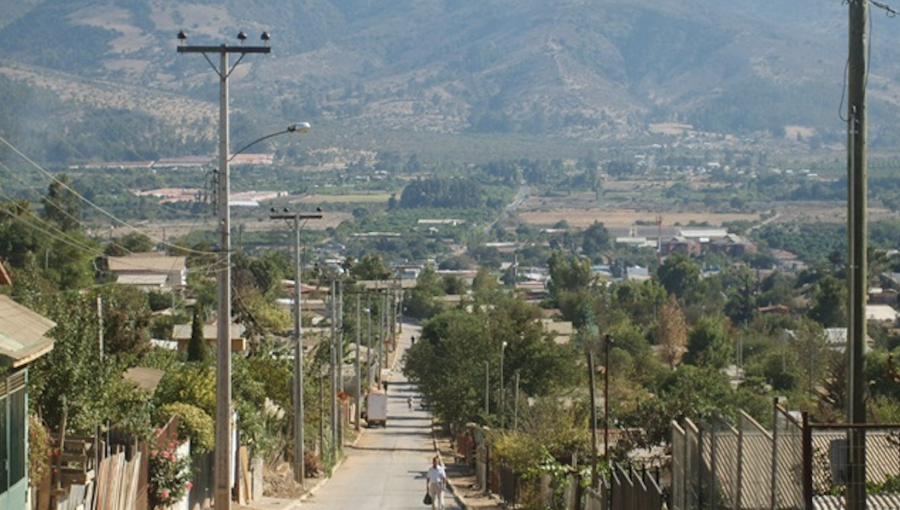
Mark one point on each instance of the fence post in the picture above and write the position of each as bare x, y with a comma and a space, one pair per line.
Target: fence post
807, 463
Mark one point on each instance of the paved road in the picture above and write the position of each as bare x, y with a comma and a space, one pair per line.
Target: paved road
386, 468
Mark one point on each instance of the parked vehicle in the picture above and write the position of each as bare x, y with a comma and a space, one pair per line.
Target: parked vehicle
376, 409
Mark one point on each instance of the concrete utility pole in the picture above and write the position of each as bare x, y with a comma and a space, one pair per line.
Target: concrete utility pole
357, 411
224, 445
297, 390
857, 283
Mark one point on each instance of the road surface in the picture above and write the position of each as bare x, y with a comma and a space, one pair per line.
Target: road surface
386, 468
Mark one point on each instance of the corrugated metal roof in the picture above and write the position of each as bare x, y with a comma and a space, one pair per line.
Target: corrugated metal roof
146, 262
156, 280
873, 502
22, 332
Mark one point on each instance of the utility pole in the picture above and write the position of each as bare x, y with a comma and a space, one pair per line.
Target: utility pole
857, 71
224, 445
297, 390
334, 358
357, 413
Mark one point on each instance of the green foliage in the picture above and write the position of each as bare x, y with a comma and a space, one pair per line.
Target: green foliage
420, 301
680, 275
458, 349
191, 383
197, 350
829, 302
193, 423
70, 379
595, 241
39, 450
452, 193
708, 343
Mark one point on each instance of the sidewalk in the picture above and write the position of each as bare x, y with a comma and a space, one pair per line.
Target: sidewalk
461, 478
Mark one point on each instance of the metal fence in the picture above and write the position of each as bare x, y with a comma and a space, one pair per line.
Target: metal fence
797, 465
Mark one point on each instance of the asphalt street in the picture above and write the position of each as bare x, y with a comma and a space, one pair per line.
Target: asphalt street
386, 467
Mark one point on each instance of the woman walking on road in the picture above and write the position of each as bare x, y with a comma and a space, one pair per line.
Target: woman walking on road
434, 483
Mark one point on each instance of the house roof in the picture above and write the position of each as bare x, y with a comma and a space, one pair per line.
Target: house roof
882, 313
146, 262
210, 331
146, 378
22, 333
155, 280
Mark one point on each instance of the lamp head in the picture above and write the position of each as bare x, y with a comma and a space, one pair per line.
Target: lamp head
182, 37
265, 37
242, 36
300, 127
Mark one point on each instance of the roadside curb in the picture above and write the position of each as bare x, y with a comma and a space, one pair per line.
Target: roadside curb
437, 448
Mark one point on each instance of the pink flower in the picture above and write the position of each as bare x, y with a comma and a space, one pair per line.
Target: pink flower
171, 446
166, 454
188, 485
164, 494
154, 453
173, 457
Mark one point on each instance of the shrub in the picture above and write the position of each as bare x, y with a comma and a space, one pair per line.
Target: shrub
39, 447
194, 423
170, 475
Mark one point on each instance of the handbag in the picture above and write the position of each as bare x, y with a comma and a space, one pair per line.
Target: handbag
427, 499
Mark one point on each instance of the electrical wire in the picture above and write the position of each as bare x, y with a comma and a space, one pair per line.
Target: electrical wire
89, 202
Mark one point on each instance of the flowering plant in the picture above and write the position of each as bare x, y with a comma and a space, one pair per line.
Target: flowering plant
170, 475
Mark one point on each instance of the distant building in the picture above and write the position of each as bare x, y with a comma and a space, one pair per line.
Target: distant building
680, 244
182, 335
733, 245
149, 271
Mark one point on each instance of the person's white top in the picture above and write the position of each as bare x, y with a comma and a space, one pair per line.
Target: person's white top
436, 474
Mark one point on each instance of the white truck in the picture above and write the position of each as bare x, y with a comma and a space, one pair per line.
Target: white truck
376, 409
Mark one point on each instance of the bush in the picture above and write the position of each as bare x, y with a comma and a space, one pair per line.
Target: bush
170, 476
39, 447
194, 423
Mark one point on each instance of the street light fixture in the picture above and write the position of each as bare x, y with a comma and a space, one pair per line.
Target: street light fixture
224, 445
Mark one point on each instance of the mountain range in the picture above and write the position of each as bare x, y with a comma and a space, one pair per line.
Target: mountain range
589, 70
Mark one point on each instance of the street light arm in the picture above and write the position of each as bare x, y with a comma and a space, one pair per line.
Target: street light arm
300, 127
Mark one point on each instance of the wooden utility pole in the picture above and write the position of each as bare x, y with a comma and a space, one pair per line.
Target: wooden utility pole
857, 283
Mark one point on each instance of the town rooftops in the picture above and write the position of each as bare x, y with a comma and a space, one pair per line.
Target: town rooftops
22, 333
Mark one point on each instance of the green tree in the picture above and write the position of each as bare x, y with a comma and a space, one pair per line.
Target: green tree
421, 301
595, 240
568, 274
126, 322
132, 242
71, 380
370, 267
681, 276
62, 205
197, 350
829, 302
708, 343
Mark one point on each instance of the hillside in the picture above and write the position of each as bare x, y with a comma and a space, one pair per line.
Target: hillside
595, 71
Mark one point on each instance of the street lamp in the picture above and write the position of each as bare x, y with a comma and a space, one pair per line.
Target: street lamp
299, 127
224, 446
